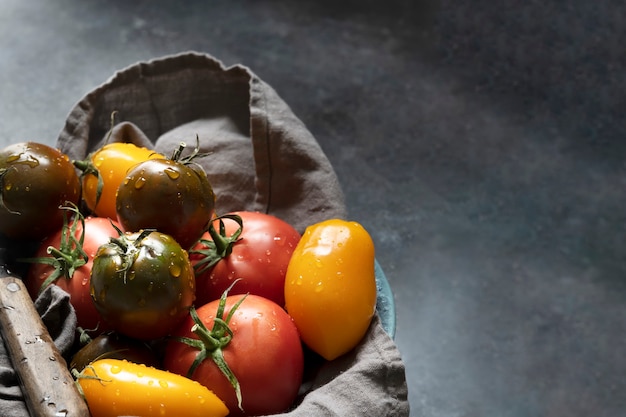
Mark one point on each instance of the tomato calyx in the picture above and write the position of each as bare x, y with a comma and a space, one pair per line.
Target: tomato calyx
87, 167
128, 249
83, 336
211, 343
189, 159
81, 375
70, 255
220, 247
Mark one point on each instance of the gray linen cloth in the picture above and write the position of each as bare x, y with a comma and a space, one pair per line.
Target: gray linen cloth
261, 158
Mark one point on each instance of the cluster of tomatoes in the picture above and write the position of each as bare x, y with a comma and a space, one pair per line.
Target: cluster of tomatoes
184, 312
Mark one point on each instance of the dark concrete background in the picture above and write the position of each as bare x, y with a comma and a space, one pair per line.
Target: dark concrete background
482, 145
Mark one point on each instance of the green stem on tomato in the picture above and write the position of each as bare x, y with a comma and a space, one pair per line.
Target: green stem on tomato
87, 167
189, 159
210, 343
128, 249
220, 246
70, 255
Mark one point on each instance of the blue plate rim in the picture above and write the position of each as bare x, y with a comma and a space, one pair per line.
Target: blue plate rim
385, 303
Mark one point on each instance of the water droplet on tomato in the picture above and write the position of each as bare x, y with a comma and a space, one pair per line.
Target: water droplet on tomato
116, 369
8, 186
278, 239
163, 384
175, 270
172, 173
268, 252
140, 182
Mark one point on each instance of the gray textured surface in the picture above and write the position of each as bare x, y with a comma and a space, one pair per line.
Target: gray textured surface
483, 147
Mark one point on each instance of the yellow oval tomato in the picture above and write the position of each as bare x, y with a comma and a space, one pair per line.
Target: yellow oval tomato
114, 387
106, 168
330, 286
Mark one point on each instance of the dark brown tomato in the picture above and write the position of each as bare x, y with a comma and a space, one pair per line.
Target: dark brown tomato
142, 284
166, 195
35, 180
112, 345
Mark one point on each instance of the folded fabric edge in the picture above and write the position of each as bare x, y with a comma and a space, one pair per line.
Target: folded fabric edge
78, 120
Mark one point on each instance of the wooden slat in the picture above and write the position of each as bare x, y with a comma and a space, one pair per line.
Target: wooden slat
48, 387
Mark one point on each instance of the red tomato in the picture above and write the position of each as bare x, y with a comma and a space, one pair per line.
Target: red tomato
264, 354
71, 261
258, 256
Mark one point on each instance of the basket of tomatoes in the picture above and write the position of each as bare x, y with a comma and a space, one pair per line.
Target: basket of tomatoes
188, 252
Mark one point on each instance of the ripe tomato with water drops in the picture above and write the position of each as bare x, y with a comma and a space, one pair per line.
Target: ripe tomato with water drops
142, 284
171, 195
254, 248
114, 387
35, 179
65, 259
246, 349
330, 288
105, 169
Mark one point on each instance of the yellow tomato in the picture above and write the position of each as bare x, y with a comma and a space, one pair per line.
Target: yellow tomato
106, 169
114, 387
330, 286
